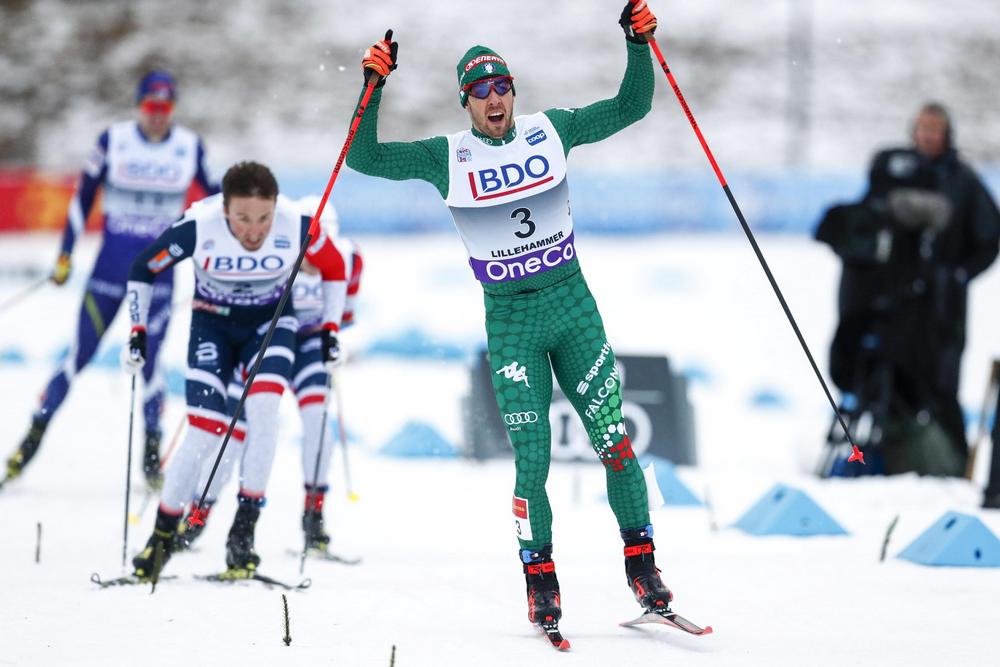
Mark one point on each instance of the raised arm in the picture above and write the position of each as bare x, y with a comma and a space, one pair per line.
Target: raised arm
425, 160
600, 120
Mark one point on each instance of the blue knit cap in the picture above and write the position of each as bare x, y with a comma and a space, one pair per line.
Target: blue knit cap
157, 83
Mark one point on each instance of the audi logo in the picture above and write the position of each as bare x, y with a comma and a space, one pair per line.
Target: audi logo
512, 418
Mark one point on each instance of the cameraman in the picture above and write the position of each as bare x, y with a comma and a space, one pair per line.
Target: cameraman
926, 226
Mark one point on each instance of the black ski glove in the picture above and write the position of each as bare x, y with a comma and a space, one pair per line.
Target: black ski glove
331, 347
134, 355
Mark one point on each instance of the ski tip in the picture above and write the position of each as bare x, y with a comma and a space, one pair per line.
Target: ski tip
563, 645
708, 630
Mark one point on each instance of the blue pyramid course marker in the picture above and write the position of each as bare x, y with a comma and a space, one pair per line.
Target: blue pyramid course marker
960, 540
418, 440
673, 490
785, 510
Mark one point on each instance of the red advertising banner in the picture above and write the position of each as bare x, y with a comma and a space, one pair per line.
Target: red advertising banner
34, 200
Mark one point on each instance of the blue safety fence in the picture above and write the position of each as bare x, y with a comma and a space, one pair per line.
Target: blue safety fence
613, 202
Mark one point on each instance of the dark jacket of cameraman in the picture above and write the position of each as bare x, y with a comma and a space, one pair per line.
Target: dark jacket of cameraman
951, 241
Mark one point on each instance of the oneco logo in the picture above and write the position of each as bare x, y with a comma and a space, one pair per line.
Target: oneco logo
514, 269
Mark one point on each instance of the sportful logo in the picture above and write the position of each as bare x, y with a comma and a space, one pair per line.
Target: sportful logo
515, 418
584, 385
176, 250
513, 372
507, 179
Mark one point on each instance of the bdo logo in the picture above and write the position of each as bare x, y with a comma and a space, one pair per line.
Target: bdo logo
509, 178
243, 263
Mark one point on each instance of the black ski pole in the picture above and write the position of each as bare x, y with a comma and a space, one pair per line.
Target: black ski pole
319, 454
856, 454
128, 471
197, 517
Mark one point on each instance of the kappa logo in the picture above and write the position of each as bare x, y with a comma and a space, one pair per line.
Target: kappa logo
515, 373
488, 68
463, 155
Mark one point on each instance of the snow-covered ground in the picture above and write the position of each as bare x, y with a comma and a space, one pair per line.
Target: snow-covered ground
440, 579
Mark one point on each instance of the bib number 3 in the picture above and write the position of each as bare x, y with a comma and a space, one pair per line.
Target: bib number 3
525, 215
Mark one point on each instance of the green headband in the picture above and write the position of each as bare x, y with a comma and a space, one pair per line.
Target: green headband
478, 63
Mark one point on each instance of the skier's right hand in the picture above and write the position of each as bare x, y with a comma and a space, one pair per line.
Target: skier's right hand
330, 348
380, 58
134, 354
61, 271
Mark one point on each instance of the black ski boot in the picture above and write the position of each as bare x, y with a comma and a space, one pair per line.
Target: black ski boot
240, 554
312, 521
186, 533
151, 460
159, 547
542, 587
27, 449
641, 571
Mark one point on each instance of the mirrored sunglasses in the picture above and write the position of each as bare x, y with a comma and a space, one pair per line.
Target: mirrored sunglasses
481, 89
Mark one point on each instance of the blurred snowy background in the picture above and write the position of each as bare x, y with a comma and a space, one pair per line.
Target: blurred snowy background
794, 96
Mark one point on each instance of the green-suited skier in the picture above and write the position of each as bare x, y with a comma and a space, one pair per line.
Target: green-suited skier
505, 183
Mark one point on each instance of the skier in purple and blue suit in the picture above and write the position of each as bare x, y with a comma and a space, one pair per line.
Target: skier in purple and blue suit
146, 168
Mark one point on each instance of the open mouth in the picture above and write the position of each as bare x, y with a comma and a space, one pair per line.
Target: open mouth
495, 116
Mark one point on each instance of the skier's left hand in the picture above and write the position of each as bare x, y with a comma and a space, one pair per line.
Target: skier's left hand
331, 347
134, 354
637, 21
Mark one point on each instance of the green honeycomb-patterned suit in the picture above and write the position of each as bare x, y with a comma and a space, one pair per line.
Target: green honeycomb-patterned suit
510, 201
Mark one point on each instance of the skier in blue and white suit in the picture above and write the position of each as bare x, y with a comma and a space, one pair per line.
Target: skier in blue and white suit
145, 168
244, 244
309, 382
